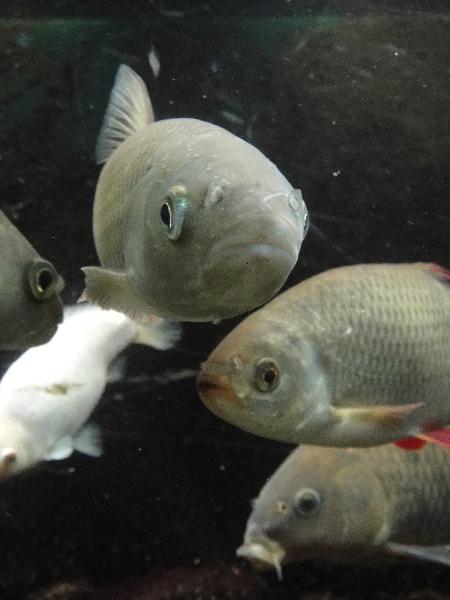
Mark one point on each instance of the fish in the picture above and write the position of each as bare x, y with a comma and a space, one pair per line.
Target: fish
190, 222
30, 306
363, 505
355, 356
48, 394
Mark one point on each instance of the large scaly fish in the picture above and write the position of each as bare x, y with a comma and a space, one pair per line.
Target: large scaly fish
356, 356
190, 222
48, 393
352, 505
30, 307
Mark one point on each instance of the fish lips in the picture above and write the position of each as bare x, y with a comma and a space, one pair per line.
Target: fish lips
263, 553
215, 391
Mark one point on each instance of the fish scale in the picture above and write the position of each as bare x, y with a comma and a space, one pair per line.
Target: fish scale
367, 360
367, 503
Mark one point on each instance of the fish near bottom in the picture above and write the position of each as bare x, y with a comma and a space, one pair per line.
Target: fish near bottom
352, 505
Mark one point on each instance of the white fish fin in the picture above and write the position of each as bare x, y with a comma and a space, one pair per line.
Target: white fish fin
62, 449
109, 288
439, 554
116, 369
161, 335
88, 441
129, 110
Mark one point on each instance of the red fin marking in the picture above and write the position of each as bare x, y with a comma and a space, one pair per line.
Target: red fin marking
440, 437
440, 272
411, 443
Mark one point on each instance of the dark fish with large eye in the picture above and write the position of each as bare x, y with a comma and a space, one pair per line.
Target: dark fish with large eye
352, 505
30, 307
190, 222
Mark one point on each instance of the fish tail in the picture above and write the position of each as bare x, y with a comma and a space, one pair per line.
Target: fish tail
129, 110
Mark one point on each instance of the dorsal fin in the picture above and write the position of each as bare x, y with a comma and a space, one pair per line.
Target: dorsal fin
129, 110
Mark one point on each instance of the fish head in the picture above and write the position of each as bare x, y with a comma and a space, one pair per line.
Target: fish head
209, 245
31, 308
321, 503
265, 379
255, 243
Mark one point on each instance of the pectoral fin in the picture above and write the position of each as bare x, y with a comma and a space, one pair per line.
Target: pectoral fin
385, 416
438, 554
109, 288
88, 441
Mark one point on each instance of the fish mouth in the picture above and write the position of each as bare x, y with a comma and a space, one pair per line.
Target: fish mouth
215, 390
263, 555
265, 234
250, 261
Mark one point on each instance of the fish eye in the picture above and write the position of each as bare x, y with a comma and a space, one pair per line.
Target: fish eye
166, 214
43, 279
307, 501
266, 375
173, 211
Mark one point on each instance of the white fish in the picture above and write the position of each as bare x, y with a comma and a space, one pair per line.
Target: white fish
48, 393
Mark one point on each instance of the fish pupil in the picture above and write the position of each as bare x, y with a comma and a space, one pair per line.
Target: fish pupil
267, 375
166, 215
45, 280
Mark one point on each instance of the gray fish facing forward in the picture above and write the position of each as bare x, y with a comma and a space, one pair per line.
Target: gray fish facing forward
352, 505
190, 222
30, 307
356, 356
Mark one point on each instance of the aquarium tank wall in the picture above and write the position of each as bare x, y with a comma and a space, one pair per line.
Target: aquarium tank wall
247, 147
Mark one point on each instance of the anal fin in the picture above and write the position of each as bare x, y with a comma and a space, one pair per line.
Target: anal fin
439, 437
411, 443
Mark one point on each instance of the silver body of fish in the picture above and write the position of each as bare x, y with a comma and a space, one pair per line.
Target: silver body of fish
352, 505
355, 356
49, 392
190, 222
30, 307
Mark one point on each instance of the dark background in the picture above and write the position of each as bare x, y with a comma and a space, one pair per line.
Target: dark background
351, 101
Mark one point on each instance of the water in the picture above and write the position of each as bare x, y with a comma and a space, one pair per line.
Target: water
350, 100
